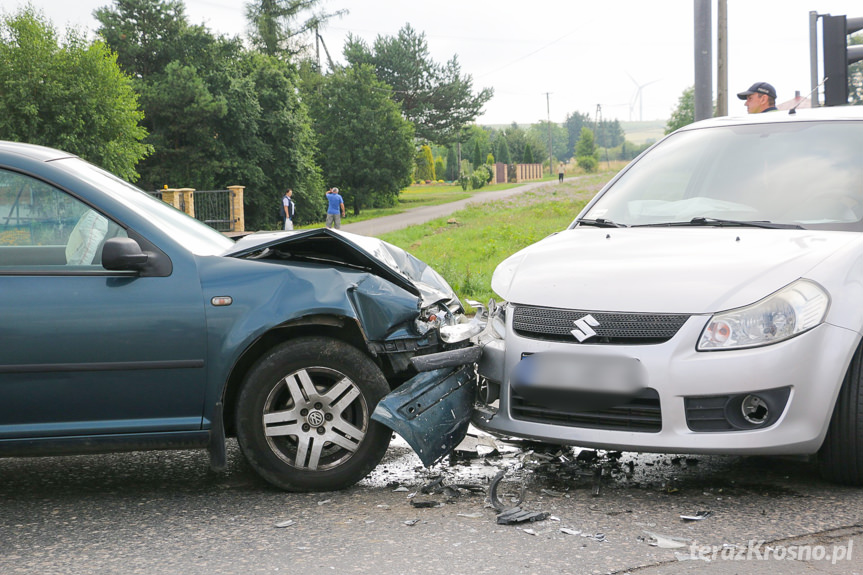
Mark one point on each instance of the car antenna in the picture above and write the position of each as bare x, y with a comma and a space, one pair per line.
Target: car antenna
793, 109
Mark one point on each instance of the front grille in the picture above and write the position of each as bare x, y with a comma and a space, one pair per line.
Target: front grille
639, 413
553, 324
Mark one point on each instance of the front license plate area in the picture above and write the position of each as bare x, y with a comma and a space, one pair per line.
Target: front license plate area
578, 382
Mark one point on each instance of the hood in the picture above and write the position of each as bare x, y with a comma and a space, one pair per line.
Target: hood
661, 270
376, 256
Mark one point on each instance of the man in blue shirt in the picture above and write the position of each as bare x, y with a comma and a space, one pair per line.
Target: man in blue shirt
335, 208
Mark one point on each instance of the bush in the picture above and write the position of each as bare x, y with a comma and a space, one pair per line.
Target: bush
587, 163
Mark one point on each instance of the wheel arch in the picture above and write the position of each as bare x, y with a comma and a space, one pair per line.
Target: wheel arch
336, 327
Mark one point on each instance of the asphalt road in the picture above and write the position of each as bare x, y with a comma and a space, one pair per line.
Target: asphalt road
424, 214
164, 512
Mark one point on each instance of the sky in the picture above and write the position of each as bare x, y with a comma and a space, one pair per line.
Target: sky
545, 59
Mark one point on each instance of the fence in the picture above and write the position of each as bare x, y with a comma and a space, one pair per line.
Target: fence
516, 172
219, 209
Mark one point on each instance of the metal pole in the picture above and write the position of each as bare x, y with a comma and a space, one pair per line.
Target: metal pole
722, 58
813, 59
548, 114
703, 61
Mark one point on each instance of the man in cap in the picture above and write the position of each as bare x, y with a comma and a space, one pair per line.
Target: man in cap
760, 97
335, 208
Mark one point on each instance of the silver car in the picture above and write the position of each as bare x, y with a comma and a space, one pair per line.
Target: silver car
708, 300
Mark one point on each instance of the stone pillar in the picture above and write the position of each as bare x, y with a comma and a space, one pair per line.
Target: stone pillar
187, 204
237, 212
171, 196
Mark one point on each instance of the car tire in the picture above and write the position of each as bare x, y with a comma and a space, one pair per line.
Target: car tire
840, 458
304, 415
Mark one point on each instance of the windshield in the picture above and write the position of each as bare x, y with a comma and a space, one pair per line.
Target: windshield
196, 236
804, 174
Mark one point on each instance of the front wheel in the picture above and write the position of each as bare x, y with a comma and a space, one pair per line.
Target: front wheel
840, 458
304, 415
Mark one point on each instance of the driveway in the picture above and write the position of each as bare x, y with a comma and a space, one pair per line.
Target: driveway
377, 226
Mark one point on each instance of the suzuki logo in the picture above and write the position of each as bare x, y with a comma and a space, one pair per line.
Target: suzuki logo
584, 326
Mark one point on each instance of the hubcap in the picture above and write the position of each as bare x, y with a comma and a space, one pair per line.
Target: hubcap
315, 419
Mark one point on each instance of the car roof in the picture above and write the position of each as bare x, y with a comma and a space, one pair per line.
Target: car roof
32, 151
833, 113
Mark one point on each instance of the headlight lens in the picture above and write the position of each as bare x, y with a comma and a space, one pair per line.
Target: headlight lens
792, 310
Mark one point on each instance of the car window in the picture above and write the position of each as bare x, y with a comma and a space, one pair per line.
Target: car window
41, 226
804, 173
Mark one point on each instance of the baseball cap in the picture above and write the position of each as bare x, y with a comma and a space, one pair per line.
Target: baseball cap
759, 88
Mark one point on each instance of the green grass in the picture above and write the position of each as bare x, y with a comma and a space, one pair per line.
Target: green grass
467, 246
417, 196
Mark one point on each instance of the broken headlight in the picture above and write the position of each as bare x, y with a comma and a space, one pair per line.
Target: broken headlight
792, 310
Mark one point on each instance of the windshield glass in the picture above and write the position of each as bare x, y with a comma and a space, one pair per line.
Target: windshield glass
802, 173
194, 235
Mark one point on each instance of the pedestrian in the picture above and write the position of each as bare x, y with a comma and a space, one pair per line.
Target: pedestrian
560, 172
760, 97
335, 208
288, 210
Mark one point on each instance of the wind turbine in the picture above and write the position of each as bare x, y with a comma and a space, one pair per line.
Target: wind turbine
638, 98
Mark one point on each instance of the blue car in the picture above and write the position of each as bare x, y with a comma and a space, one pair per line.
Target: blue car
127, 325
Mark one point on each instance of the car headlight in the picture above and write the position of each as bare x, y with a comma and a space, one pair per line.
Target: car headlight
792, 310
503, 275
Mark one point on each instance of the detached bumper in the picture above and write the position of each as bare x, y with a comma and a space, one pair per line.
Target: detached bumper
431, 411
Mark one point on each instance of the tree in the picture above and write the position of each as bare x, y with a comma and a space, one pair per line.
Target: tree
71, 96
586, 152
609, 134
437, 98
451, 173
217, 113
574, 123
366, 147
425, 164
538, 136
476, 158
684, 113
146, 34
502, 154
275, 27
528, 155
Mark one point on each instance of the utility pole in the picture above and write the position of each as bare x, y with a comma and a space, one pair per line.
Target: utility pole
722, 58
548, 117
703, 61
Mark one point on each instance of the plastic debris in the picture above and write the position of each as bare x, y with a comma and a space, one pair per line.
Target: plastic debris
697, 516
518, 515
529, 531
411, 522
425, 504
667, 541
470, 515
325, 501
283, 524
400, 489
496, 501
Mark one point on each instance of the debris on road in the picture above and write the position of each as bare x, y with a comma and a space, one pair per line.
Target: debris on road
411, 522
697, 516
496, 501
667, 541
518, 515
283, 524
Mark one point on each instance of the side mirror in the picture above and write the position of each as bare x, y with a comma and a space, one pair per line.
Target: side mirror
121, 254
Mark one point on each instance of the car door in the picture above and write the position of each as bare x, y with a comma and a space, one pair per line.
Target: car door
83, 350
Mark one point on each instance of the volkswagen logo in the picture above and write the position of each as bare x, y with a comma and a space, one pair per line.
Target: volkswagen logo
315, 418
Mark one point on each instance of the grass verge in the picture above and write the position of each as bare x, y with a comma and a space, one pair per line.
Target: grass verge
467, 246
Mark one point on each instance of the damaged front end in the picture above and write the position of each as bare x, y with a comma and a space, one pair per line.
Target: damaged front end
432, 410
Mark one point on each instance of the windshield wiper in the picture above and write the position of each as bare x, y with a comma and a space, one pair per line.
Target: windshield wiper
702, 221
602, 223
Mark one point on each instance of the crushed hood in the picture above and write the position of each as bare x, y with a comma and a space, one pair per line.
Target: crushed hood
661, 270
342, 248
